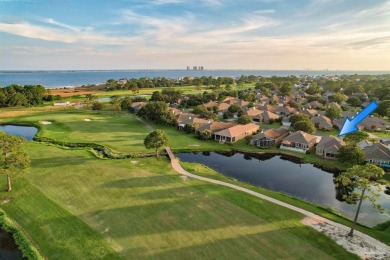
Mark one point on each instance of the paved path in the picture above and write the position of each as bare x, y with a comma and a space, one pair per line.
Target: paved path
315, 218
148, 126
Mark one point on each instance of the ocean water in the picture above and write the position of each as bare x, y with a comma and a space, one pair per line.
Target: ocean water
69, 78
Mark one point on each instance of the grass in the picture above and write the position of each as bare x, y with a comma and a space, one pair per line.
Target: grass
75, 206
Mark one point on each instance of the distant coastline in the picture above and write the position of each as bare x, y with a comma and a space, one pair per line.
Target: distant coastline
72, 78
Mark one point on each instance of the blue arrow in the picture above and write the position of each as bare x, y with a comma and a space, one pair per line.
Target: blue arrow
350, 126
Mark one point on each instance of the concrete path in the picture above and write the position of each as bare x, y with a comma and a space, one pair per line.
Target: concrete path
314, 218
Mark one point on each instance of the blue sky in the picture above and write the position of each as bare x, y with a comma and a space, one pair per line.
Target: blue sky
164, 34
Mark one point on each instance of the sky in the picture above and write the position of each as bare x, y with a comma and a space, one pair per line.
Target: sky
216, 34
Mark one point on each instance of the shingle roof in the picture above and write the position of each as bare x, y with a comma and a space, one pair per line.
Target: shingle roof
300, 137
216, 126
377, 151
238, 130
330, 143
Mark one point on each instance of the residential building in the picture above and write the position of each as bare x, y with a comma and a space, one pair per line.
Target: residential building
299, 141
378, 154
236, 133
269, 137
322, 122
329, 147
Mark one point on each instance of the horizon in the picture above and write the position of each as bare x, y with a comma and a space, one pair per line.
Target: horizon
172, 34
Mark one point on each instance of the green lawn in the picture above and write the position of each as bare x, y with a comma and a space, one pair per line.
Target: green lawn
75, 206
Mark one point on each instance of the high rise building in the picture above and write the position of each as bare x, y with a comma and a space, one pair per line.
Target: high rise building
195, 68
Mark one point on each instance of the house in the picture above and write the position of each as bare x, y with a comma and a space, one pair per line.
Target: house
285, 111
299, 141
314, 105
252, 112
267, 108
309, 112
373, 123
378, 154
333, 105
192, 119
364, 143
329, 147
236, 133
322, 122
269, 137
136, 106
222, 108
267, 117
211, 104
214, 127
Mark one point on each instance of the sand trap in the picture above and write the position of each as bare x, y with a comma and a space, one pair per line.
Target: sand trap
366, 249
46, 123
134, 162
87, 119
196, 145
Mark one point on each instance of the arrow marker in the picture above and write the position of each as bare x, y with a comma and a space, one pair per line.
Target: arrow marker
350, 125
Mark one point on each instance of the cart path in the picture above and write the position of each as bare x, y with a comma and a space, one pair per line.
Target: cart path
309, 215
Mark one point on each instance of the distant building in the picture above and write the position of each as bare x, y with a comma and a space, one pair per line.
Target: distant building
195, 68
201, 67
188, 68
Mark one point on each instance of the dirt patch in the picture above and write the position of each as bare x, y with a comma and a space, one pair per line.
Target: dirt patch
358, 245
71, 92
5, 201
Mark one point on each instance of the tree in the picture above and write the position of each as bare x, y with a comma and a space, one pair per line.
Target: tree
355, 137
89, 99
352, 154
286, 88
305, 126
354, 101
126, 103
338, 97
365, 178
157, 112
243, 120
234, 109
383, 107
207, 134
299, 117
97, 106
156, 140
116, 103
333, 113
13, 158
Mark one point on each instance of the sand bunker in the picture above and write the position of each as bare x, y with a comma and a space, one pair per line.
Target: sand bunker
46, 123
363, 247
87, 119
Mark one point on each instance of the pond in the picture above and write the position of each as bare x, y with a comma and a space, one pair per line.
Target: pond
8, 248
275, 172
27, 132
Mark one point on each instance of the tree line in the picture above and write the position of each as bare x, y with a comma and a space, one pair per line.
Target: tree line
28, 95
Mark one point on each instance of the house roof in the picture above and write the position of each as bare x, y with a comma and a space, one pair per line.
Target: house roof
377, 151
300, 137
330, 143
271, 133
253, 112
216, 126
309, 112
238, 130
323, 121
211, 104
269, 115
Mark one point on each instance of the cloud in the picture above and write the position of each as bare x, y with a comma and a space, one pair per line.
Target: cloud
266, 11
369, 42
